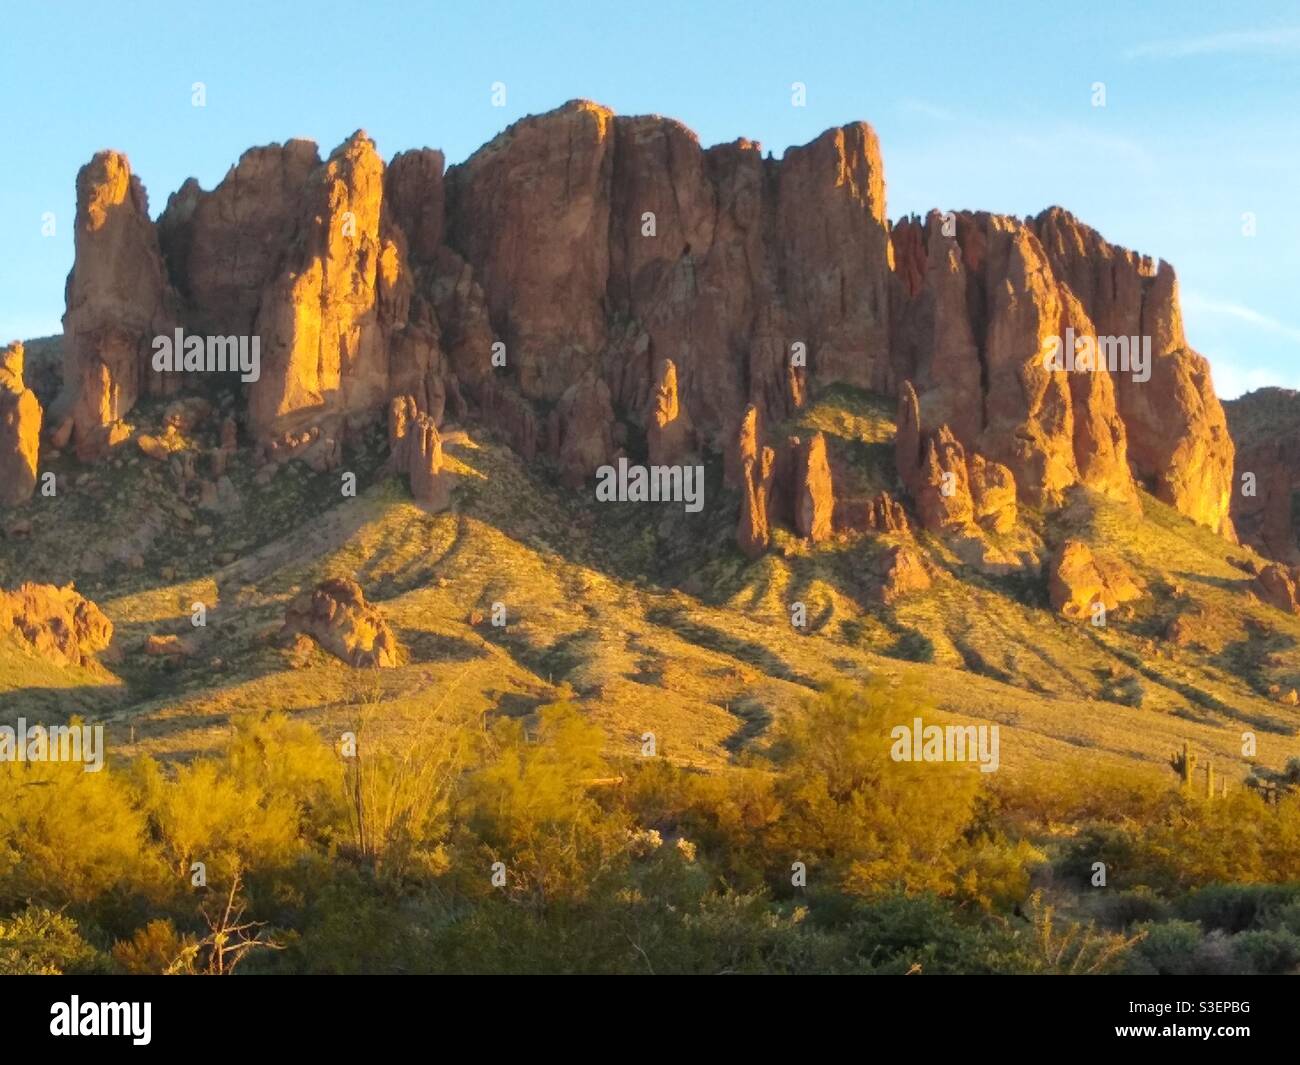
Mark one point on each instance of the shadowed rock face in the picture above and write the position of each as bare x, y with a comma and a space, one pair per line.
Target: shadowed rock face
224, 247
579, 430
617, 257
1266, 429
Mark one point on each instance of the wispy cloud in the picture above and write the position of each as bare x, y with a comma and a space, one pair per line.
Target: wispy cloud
1072, 140
1197, 304
913, 106
1278, 41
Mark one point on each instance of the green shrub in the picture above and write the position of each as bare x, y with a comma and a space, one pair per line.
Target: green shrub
1168, 948
41, 942
1273, 952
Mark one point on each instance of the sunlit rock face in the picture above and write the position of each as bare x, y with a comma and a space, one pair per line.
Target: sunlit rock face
20, 429
118, 300
980, 300
587, 283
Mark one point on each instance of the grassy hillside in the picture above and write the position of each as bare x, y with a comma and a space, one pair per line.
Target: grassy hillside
647, 617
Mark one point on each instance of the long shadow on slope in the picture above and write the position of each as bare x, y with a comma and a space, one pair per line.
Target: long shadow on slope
1227, 584
416, 573
270, 515
554, 662
56, 705
1249, 659
243, 657
754, 719
724, 642
1194, 695
425, 646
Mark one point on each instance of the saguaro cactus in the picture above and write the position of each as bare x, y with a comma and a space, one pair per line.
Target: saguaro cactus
1184, 764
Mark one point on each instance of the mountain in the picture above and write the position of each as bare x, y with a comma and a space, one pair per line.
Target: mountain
896, 476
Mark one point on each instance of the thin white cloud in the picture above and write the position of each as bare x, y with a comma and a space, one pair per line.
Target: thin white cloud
1278, 41
1074, 140
1198, 304
913, 106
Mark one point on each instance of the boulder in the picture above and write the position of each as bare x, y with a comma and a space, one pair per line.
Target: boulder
60, 625
167, 646
1278, 586
336, 615
1078, 581
901, 571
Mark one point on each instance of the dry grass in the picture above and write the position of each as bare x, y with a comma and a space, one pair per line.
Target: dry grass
646, 617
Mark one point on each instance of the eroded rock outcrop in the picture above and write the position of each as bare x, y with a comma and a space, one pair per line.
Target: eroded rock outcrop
415, 449
325, 319
530, 213
20, 430
224, 248
812, 492
1079, 581
933, 469
790, 484
118, 300
980, 300
901, 571
993, 494
669, 432
835, 247
752, 532
582, 273
881, 513
756, 467
336, 615
1177, 436
58, 624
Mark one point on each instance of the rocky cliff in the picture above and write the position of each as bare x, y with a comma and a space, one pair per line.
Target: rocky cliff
1266, 429
588, 284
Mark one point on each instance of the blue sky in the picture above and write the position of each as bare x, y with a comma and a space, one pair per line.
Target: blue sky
977, 105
